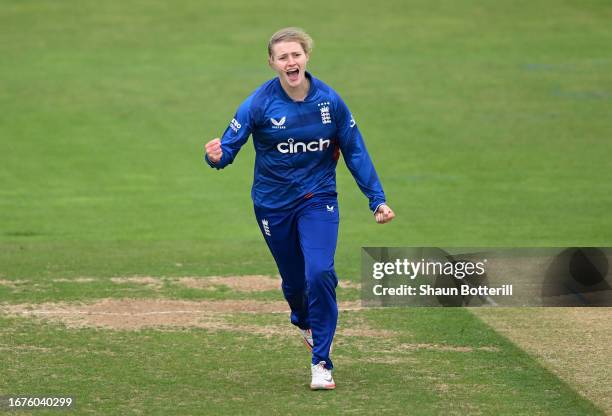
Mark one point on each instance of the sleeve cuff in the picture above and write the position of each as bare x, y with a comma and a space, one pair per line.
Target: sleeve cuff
377, 206
211, 164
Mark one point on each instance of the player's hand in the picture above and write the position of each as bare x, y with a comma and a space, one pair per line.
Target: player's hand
213, 150
384, 214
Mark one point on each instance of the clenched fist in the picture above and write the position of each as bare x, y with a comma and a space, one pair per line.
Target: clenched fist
213, 150
384, 214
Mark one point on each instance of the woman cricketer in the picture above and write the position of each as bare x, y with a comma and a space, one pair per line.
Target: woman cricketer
300, 127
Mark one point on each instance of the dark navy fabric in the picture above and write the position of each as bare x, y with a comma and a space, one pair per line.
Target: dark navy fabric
297, 145
303, 242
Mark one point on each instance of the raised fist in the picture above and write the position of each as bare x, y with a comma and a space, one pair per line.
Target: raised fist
213, 150
384, 214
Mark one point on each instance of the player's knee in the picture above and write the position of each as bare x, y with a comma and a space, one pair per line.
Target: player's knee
321, 277
293, 290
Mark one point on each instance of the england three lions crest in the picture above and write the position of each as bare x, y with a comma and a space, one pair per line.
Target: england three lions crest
325, 114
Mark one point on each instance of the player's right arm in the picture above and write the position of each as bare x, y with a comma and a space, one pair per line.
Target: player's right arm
221, 152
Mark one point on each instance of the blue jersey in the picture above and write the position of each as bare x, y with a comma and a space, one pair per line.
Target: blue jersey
297, 145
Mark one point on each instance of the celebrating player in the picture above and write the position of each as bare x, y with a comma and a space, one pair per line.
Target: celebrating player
300, 126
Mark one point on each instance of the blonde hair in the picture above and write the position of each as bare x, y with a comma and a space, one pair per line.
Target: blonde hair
291, 34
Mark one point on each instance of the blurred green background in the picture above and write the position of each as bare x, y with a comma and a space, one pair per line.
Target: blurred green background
489, 124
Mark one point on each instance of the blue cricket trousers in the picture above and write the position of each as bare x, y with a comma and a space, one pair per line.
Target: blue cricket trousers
303, 243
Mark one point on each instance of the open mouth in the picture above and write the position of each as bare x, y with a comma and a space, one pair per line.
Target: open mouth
293, 74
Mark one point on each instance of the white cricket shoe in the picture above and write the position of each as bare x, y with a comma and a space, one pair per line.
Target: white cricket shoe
321, 377
307, 338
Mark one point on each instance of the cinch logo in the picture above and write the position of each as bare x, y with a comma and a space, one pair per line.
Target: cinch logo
291, 146
278, 124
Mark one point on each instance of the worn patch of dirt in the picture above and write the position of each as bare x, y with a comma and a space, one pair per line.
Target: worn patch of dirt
347, 284
381, 359
249, 283
24, 348
382, 345
142, 313
151, 282
359, 331
134, 314
407, 347
253, 283
444, 348
12, 283
574, 343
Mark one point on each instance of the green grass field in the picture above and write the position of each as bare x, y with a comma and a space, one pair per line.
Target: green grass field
489, 124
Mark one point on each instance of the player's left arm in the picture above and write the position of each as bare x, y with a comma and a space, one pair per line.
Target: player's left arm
359, 163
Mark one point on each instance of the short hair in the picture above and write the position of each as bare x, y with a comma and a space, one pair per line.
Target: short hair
289, 34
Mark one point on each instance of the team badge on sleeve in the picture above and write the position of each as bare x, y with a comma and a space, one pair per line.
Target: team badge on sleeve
234, 125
